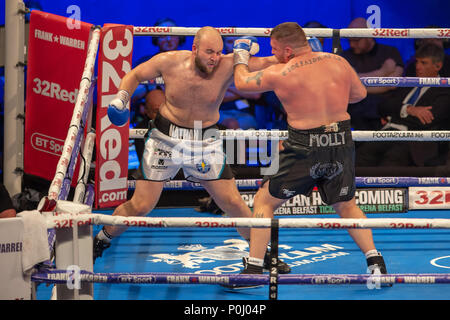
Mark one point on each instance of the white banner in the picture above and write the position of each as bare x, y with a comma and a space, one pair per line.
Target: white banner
13, 284
429, 198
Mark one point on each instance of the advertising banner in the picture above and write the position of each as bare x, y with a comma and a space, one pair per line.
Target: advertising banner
370, 200
56, 58
114, 61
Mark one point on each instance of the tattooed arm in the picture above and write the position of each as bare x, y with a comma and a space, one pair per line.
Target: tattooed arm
258, 81
259, 63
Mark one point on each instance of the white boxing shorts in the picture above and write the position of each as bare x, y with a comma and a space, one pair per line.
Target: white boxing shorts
169, 148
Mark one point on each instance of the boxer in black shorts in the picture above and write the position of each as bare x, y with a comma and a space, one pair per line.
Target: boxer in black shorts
315, 89
322, 157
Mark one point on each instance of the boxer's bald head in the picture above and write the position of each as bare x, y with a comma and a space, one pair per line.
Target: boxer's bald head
207, 49
207, 33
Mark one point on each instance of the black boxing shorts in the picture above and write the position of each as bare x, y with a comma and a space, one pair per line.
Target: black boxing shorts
169, 148
322, 157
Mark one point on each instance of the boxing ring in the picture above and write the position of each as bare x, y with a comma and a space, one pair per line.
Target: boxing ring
185, 248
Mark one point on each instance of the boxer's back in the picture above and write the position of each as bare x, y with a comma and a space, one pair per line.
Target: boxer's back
315, 89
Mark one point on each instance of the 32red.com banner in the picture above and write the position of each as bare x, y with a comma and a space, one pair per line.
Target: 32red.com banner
56, 57
114, 61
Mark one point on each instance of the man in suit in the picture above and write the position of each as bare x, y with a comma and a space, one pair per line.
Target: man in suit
413, 109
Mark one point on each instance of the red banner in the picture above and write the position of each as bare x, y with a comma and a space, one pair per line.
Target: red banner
56, 58
114, 61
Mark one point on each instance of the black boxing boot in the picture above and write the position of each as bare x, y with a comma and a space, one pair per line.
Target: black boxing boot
249, 268
283, 267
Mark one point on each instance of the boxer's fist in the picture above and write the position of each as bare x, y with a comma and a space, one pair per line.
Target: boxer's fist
243, 48
118, 112
315, 44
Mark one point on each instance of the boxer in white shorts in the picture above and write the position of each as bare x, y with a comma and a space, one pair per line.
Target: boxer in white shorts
169, 148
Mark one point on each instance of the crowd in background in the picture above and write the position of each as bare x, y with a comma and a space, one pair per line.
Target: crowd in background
385, 108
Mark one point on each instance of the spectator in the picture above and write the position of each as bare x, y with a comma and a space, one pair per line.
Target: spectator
371, 59
410, 69
316, 24
426, 108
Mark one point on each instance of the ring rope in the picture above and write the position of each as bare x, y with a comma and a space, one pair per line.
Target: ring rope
407, 33
371, 182
263, 134
62, 276
375, 81
82, 99
68, 220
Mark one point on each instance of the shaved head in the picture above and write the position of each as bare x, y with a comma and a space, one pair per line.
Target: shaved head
209, 33
207, 49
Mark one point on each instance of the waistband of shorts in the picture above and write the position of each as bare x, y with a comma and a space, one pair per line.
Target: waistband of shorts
339, 126
334, 134
173, 130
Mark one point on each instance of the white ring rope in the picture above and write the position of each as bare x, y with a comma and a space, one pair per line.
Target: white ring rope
231, 134
82, 100
408, 33
67, 220
375, 81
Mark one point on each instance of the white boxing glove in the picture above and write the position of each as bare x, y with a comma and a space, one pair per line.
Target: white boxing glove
243, 48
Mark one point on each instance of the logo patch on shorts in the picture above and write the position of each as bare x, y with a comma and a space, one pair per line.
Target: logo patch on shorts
327, 170
288, 193
203, 167
344, 191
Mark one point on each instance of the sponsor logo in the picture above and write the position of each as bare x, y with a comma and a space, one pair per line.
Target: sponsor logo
226, 30
428, 197
326, 170
203, 167
381, 180
112, 167
157, 29
381, 81
54, 91
130, 278
440, 135
59, 39
344, 191
10, 247
160, 165
381, 32
430, 81
288, 193
200, 257
47, 144
370, 200
166, 154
